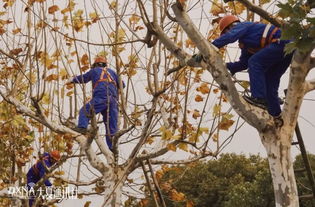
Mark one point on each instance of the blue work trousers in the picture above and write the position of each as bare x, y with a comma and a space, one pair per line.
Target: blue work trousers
265, 70
33, 180
109, 110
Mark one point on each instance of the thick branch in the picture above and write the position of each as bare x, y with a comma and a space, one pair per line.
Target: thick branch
261, 12
41, 118
297, 88
77, 183
215, 65
309, 85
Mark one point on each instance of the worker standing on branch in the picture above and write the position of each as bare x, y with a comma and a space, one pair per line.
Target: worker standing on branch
262, 52
105, 98
38, 170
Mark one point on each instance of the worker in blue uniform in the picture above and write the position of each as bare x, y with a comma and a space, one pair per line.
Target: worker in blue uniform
38, 170
105, 98
262, 52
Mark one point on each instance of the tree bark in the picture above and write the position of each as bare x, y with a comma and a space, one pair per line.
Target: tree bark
278, 148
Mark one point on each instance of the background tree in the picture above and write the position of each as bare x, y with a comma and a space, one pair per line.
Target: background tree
230, 180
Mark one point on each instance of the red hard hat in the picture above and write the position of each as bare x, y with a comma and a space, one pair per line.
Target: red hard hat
55, 154
227, 21
100, 59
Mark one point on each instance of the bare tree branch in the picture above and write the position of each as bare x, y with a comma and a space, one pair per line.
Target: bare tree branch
309, 85
261, 12
77, 183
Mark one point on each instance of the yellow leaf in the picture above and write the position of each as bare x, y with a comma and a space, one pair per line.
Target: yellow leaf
69, 86
16, 51
102, 54
171, 147
2, 31
176, 137
196, 114
150, 140
190, 204
176, 196
63, 74
84, 68
225, 124
204, 89
69, 93
216, 110
215, 137
84, 59
46, 99
53, 9
183, 146
236, 7
134, 19
59, 172
245, 84
15, 31
166, 133
189, 43
87, 204
51, 77
262, 2
224, 98
217, 8
2, 13
113, 5
139, 28
228, 116
121, 35
144, 202
159, 174
194, 138
70, 7
203, 130
216, 90
94, 17
198, 98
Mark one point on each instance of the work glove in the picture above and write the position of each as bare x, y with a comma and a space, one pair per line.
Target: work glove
197, 57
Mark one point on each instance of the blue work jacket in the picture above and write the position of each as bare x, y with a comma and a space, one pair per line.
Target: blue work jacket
102, 86
38, 170
249, 35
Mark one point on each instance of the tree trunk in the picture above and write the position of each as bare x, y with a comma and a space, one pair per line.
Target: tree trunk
278, 147
113, 184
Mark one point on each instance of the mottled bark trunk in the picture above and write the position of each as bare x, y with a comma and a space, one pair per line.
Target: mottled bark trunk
278, 147
113, 184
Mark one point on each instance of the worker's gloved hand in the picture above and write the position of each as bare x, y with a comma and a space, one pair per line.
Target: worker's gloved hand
197, 57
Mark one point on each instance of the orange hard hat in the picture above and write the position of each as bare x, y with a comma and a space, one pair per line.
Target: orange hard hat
100, 59
227, 21
55, 154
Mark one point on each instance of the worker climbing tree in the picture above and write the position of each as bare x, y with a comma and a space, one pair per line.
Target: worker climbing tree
262, 52
104, 100
38, 170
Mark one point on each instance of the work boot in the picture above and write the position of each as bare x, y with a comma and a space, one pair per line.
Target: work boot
278, 120
259, 102
281, 101
81, 130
